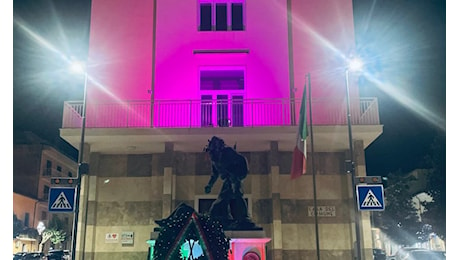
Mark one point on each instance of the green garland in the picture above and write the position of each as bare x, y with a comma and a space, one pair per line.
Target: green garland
189, 226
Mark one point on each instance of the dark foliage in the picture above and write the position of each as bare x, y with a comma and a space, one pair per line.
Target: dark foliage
435, 211
399, 221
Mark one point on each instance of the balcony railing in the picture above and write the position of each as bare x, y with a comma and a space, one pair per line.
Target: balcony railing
217, 113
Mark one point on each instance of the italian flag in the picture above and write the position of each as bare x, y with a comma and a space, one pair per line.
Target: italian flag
299, 156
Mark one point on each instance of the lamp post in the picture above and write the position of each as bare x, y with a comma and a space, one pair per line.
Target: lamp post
354, 65
82, 167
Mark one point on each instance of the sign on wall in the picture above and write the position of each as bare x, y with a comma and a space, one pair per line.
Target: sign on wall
111, 237
127, 238
323, 211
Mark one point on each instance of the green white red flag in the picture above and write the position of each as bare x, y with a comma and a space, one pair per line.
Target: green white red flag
299, 156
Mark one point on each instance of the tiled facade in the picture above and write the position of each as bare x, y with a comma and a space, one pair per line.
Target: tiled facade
130, 192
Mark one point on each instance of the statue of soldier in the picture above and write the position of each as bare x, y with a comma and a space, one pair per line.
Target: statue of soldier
229, 207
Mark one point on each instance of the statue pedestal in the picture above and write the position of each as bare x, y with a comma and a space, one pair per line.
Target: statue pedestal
247, 244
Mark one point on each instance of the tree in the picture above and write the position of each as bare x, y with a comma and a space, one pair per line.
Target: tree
54, 232
20, 229
435, 211
399, 221
17, 226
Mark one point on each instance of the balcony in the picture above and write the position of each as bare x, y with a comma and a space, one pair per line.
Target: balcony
250, 118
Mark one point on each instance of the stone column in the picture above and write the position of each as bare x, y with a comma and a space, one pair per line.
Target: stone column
84, 204
168, 180
277, 235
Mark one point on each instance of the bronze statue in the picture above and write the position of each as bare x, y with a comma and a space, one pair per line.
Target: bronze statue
232, 167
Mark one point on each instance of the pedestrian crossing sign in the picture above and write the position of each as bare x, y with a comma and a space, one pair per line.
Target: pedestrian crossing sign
61, 199
370, 197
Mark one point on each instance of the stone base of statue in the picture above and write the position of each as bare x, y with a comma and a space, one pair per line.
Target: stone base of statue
247, 244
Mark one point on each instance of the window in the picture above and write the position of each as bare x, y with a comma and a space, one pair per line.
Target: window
221, 15
46, 191
205, 17
69, 174
206, 110
26, 220
44, 215
237, 16
47, 171
59, 168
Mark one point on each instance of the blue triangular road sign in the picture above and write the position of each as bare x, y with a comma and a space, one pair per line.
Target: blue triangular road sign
370, 197
61, 199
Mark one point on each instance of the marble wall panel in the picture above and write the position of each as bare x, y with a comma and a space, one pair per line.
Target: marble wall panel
285, 161
137, 213
262, 211
202, 164
110, 213
139, 165
185, 188
184, 163
124, 189
128, 213
112, 166
258, 163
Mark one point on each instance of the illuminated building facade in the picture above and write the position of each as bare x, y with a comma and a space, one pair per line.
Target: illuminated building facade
167, 75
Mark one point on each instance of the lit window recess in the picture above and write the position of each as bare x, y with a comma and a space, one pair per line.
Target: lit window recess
221, 15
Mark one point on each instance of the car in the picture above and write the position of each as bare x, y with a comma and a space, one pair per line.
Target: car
19, 255
28, 256
379, 254
427, 255
58, 254
414, 253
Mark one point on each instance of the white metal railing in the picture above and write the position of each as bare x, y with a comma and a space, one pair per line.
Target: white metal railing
217, 113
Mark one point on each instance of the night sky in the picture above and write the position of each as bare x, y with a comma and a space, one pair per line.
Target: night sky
403, 43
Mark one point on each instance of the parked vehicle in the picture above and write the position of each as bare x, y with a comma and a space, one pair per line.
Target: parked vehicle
58, 254
19, 255
28, 256
379, 254
414, 253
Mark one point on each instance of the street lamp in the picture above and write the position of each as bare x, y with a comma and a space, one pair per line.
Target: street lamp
353, 65
82, 167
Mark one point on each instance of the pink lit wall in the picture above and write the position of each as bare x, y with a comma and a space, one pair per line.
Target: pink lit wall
135, 48
119, 62
120, 50
323, 34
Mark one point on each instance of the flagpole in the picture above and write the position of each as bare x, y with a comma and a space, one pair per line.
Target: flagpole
313, 168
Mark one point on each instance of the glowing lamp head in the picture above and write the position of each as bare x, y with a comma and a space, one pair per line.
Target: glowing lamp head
77, 67
355, 64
